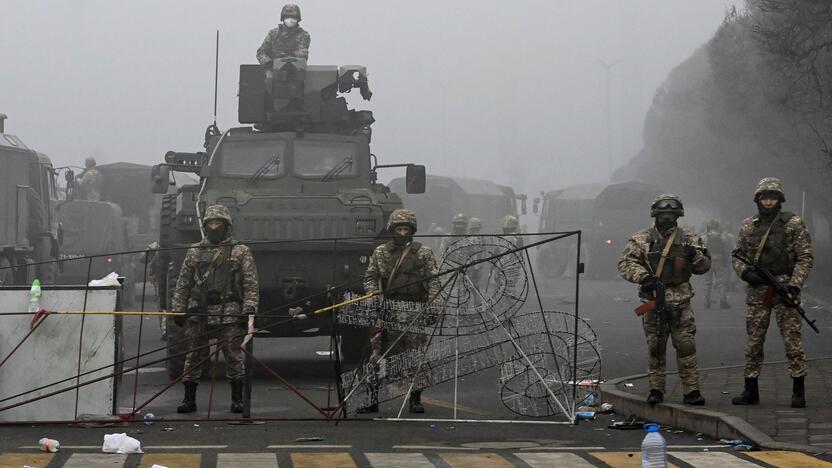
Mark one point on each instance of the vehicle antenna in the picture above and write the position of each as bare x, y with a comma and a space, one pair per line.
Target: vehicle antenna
216, 74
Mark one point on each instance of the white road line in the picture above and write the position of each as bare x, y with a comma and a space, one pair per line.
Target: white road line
184, 447
542, 460
308, 446
534, 449
246, 460
95, 460
720, 459
77, 447
697, 446
431, 447
399, 460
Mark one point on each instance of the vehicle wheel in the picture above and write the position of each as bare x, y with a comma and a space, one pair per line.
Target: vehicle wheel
6, 273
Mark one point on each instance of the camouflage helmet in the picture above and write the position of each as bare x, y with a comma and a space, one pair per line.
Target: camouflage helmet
219, 212
290, 10
402, 217
667, 203
511, 222
460, 218
89, 162
772, 185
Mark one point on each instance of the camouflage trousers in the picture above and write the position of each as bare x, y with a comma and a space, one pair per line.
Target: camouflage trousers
677, 323
757, 319
717, 278
198, 333
413, 343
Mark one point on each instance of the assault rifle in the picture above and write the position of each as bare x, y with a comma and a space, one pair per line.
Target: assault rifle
659, 303
777, 287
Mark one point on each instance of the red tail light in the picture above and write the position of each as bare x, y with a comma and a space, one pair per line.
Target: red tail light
109, 260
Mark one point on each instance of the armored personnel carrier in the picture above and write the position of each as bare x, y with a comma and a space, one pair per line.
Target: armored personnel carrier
29, 232
300, 183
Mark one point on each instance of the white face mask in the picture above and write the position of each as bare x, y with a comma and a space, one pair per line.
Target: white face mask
290, 22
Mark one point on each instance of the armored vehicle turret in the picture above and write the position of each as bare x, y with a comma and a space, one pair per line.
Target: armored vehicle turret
300, 183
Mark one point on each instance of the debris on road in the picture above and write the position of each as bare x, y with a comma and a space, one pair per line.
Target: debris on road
49, 445
606, 408
309, 439
120, 443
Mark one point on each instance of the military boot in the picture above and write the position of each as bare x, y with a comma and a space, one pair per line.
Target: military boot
655, 397
236, 396
751, 394
798, 393
416, 402
189, 402
694, 398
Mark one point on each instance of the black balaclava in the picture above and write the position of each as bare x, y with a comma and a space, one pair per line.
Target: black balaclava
402, 241
666, 220
215, 236
768, 213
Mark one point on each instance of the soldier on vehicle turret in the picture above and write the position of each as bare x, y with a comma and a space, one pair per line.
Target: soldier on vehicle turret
88, 182
286, 40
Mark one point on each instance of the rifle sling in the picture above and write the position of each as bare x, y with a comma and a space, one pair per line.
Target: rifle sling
763, 242
665, 251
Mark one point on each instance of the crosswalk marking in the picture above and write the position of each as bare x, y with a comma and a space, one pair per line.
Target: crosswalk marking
16, 460
548, 459
474, 460
721, 459
621, 459
95, 460
398, 460
246, 460
789, 459
322, 460
173, 460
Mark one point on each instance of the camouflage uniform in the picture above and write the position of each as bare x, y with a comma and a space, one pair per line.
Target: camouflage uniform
788, 255
284, 41
719, 246
232, 290
418, 264
89, 182
633, 267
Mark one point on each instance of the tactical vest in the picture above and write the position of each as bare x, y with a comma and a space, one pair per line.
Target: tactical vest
410, 271
775, 256
676, 269
221, 284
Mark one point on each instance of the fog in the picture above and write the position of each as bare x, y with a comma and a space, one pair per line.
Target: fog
507, 91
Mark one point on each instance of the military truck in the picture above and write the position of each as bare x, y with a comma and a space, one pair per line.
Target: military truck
608, 214
301, 184
93, 228
444, 197
29, 231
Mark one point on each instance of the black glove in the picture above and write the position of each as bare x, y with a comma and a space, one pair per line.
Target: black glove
648, 286
794, 291
249, 310
750, 276
689, 252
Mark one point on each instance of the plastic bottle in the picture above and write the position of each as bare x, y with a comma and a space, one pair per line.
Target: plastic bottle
148, 419
49, 445
653, 448
34, 297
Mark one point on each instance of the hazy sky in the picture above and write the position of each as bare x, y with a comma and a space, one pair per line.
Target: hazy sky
508, 91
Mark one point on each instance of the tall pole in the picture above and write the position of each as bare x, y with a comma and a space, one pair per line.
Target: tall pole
608, 111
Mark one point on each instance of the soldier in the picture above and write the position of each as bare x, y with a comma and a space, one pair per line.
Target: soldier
667, 255
459, 227
395, 269
89, 182
511, 229
474, 226
717, 243
219, 277
286, 40
779, 242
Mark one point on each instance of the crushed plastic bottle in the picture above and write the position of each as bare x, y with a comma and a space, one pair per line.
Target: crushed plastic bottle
49, 445
148, 419
653, 448
34, 297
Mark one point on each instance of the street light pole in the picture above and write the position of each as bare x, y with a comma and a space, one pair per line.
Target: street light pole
607, 66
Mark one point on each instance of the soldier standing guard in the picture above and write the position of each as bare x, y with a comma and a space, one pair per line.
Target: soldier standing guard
218, 276
286, 40
395, 269
666, 255
779, 242
718, 246
459, 227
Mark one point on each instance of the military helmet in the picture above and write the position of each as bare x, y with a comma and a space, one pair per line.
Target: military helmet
89, 162
290, 10
771, 185
219, 212
460, 218
511, 222
475, 223
402, 217
667, 203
